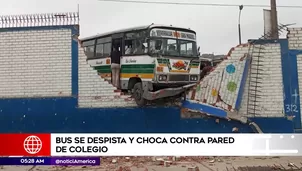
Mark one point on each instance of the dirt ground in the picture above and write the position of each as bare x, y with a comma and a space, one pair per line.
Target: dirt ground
178, 164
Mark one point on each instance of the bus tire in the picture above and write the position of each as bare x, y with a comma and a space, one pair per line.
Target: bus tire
138, 94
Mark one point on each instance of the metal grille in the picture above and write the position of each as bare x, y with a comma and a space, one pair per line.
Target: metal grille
33, 20
178, 77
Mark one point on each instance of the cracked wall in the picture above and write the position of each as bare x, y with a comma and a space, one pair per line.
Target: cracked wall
249, 80
221, 88
95, 91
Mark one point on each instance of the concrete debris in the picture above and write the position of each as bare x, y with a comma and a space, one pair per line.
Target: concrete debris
167, 163
293, 165
235, 129
159, 161
212, 161
195, 168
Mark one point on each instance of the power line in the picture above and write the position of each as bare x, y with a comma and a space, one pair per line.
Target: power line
198, 4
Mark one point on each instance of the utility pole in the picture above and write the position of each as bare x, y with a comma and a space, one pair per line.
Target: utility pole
274, 20
239, 26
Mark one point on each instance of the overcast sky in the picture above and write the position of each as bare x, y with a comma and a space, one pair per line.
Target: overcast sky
216, 27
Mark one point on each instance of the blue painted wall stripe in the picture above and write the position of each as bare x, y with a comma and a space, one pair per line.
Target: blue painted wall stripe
290, 83
59, 115
211, 110
74, 62
243, 82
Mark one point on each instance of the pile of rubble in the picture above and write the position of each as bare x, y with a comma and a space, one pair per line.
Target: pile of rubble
125, 163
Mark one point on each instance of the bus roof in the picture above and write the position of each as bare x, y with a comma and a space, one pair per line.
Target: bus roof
134, 29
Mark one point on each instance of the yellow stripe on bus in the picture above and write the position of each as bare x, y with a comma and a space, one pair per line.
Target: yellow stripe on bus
162, 65
149, 76
105, 75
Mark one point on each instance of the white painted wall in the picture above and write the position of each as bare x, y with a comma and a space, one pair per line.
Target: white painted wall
270, 91
35, 63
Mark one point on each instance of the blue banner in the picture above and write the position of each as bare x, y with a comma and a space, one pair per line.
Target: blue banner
61, 161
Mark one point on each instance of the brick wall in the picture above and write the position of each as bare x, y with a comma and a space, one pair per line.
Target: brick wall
35, 63
264, 86
295, 43
96, 92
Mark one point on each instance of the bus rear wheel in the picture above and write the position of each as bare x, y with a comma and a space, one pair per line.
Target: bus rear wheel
138, 94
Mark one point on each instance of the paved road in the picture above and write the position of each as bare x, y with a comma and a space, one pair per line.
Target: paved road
181, 164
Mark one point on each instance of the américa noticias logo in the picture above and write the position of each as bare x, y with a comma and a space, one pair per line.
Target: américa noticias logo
32, 144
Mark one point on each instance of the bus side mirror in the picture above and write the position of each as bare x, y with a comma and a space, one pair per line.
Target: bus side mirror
198, 49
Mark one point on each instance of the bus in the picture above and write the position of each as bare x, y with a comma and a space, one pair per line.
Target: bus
157, 61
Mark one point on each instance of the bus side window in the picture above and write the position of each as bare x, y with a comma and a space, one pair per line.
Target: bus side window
99, 50
103, 47
89, 48
107, 49
136, 43
128, 47
89, 51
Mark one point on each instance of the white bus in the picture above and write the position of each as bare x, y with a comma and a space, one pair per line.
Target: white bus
157, 61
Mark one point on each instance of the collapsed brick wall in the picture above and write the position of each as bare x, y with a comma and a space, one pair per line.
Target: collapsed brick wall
35, 63
221, 87
96, 92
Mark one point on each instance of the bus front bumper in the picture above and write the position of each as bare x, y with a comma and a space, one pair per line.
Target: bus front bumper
166, 92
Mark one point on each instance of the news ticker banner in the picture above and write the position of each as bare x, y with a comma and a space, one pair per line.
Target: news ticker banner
61, 161
151, 145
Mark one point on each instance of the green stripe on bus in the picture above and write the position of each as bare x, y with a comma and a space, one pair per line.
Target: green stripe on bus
140, 68
194, 64
103, 69
138, 71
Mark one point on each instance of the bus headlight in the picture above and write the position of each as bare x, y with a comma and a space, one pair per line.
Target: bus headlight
162, 78
193, 78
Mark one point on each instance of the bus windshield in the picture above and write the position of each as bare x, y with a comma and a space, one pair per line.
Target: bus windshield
171, 42
173, 47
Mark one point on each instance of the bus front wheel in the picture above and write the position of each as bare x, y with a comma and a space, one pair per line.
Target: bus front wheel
138, 94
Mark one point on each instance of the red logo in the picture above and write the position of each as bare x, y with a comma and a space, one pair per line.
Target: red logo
32, 144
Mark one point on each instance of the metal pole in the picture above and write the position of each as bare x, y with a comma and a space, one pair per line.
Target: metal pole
274, 19
239, 26
239, 32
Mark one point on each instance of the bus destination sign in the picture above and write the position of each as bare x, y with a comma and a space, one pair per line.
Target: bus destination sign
172, 33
